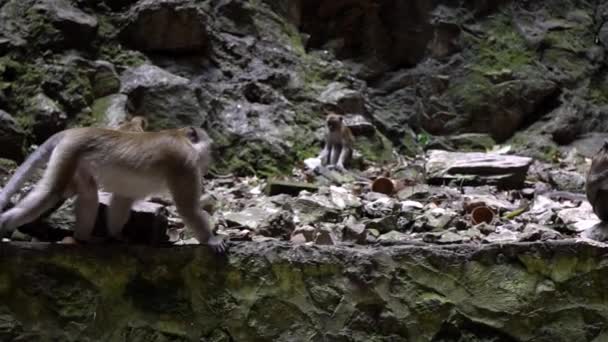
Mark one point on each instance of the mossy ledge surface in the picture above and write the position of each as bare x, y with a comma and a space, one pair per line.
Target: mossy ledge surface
272, 291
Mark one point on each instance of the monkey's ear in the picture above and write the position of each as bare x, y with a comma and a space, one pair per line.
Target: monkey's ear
192, 134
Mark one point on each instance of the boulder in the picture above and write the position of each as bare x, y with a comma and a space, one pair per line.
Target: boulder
48, 117
477, 168
167, 99
174, 26
12, 137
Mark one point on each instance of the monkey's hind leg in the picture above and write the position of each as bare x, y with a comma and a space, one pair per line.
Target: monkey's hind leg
86, 205
335, 154
185, 192
117, 215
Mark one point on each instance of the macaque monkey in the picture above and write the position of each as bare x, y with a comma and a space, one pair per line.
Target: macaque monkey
597, 183
130, 165
339, 143
136, 124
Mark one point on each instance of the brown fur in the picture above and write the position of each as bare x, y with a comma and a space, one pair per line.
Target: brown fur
596, 185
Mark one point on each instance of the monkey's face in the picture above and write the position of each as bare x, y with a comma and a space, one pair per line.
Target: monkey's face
334, 122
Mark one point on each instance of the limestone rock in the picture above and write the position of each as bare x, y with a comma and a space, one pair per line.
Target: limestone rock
164, 97
69, 19
174, 26
147, 222
12, 137
49, 117
475, 167
345, 99
111, 109
105, 79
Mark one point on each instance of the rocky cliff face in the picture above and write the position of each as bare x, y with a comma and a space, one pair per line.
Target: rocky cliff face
274, 292
259, 73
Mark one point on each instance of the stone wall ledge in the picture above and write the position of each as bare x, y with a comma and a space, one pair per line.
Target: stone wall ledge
273, 291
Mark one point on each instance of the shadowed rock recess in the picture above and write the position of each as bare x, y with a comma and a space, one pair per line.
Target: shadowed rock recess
276, 292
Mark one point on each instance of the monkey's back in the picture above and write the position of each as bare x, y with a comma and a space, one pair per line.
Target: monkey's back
131, 163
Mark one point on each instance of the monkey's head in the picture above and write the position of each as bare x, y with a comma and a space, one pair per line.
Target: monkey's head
604, 146
140, 121
334, 122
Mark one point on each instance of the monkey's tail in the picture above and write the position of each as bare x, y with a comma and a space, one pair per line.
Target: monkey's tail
34, 161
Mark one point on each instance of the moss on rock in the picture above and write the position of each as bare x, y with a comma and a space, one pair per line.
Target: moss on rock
274, 291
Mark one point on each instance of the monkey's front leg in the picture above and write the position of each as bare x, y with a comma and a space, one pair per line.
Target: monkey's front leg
185, 192
324, 156
117, 215
335, 154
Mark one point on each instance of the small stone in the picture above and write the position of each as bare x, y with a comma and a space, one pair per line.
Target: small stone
383, 224
68, 240
450, 238
208, 202
343, 199
298, 239
486, 228
373, 232
276, 187
501, 236
381, 207
409, 205
439, 218
312, 163
394, 236
315, 208
536, 232
249, 218
307, 231
354, 231
279, 224
325, 236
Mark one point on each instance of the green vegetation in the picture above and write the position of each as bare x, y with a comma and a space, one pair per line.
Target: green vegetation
502, 47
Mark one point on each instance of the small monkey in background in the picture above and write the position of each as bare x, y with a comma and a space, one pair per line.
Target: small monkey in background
136, 124
40, 156
339, 143
130, 165
596, 185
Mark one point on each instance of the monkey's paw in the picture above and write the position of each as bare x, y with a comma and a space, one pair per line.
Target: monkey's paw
217, 244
